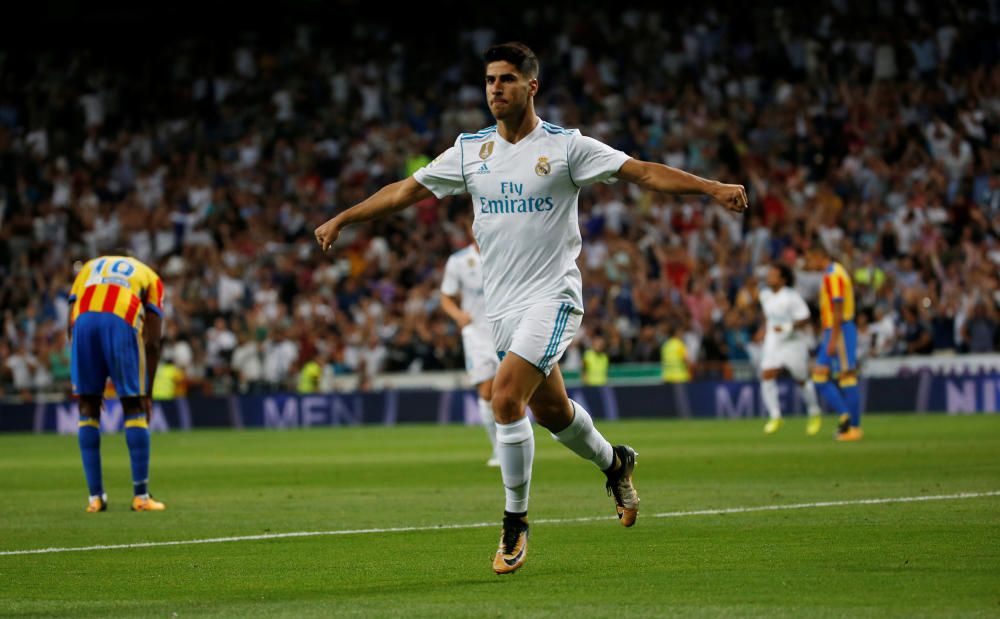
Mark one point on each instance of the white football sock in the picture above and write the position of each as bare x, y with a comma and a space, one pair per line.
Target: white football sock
584, 440
486, 413
516, 450
812, 402
769, 393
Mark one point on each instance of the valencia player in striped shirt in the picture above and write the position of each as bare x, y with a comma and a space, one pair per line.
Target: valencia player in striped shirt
114, 329
837, 354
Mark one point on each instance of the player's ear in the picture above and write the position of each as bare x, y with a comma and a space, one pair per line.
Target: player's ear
533, 86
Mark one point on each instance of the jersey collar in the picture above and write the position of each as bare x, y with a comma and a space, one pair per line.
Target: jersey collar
531, 134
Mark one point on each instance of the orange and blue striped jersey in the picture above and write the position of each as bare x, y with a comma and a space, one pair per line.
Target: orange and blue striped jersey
836, 287
117, 284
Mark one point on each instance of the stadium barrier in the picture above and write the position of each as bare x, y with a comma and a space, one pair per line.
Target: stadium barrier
923, 392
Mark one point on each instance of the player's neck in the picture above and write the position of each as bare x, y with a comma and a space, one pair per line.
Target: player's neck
514, 130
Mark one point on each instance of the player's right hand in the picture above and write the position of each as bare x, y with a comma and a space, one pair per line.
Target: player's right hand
464, 320
326, 235
733, 197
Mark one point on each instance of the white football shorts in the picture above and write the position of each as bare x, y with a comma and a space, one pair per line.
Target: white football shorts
539, 335
481, 360
793, 355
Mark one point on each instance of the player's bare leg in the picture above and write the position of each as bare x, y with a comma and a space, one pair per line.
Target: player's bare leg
571, 425
769, 394
518, 384
89, 437
485, 392
513, 386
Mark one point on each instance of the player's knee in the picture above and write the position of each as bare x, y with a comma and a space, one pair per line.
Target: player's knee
132, 406
90, 406
820, 374
848, 379
508, 407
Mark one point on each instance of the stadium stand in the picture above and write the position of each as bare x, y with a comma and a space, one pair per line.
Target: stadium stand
213, 162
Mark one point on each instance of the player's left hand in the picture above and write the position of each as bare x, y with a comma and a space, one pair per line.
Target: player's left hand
326, 235
733, 197
831, 348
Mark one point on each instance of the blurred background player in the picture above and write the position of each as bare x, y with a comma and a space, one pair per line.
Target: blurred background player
525, 177
785, 347
463, 276
114, 327
837, 354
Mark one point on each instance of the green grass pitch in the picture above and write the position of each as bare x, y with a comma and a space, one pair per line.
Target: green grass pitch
932, 558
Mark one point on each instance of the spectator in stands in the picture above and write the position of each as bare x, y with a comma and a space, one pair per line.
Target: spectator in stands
169, 380
248, 363
595, 363
981, 329
216, 181
916, 338
674, 361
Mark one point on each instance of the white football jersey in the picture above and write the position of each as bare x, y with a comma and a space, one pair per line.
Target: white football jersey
525, 200
463, 275
782, 309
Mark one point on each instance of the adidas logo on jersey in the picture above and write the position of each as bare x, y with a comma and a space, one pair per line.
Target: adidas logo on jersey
483, 169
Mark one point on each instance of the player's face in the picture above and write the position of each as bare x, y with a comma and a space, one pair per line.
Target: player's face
774, 280
815, 261
508, 90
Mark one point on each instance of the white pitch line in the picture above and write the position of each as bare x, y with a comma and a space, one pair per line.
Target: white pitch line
481, 525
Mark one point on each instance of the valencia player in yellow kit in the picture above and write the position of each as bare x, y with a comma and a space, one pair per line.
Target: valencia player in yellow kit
114, 328
837, 355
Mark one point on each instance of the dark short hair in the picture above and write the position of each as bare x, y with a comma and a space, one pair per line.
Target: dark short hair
816, 245
787, 273
517, 54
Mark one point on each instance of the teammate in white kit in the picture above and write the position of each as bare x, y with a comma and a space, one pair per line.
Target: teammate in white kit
525, 176
463, 276
785, 347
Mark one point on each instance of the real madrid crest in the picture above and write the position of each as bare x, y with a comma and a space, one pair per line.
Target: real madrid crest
486, 150
543, 167
472, 262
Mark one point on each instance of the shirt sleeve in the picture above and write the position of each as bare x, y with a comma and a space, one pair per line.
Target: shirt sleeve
449, 283
834, 286
154, 294
444, 176
591, 161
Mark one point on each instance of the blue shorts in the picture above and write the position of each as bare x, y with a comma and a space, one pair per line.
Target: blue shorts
846, 358
105, 346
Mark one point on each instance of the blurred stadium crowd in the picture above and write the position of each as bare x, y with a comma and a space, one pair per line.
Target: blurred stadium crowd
870, 126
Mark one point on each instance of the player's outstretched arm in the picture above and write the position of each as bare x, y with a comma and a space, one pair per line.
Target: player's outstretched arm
390, 199
664, 179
